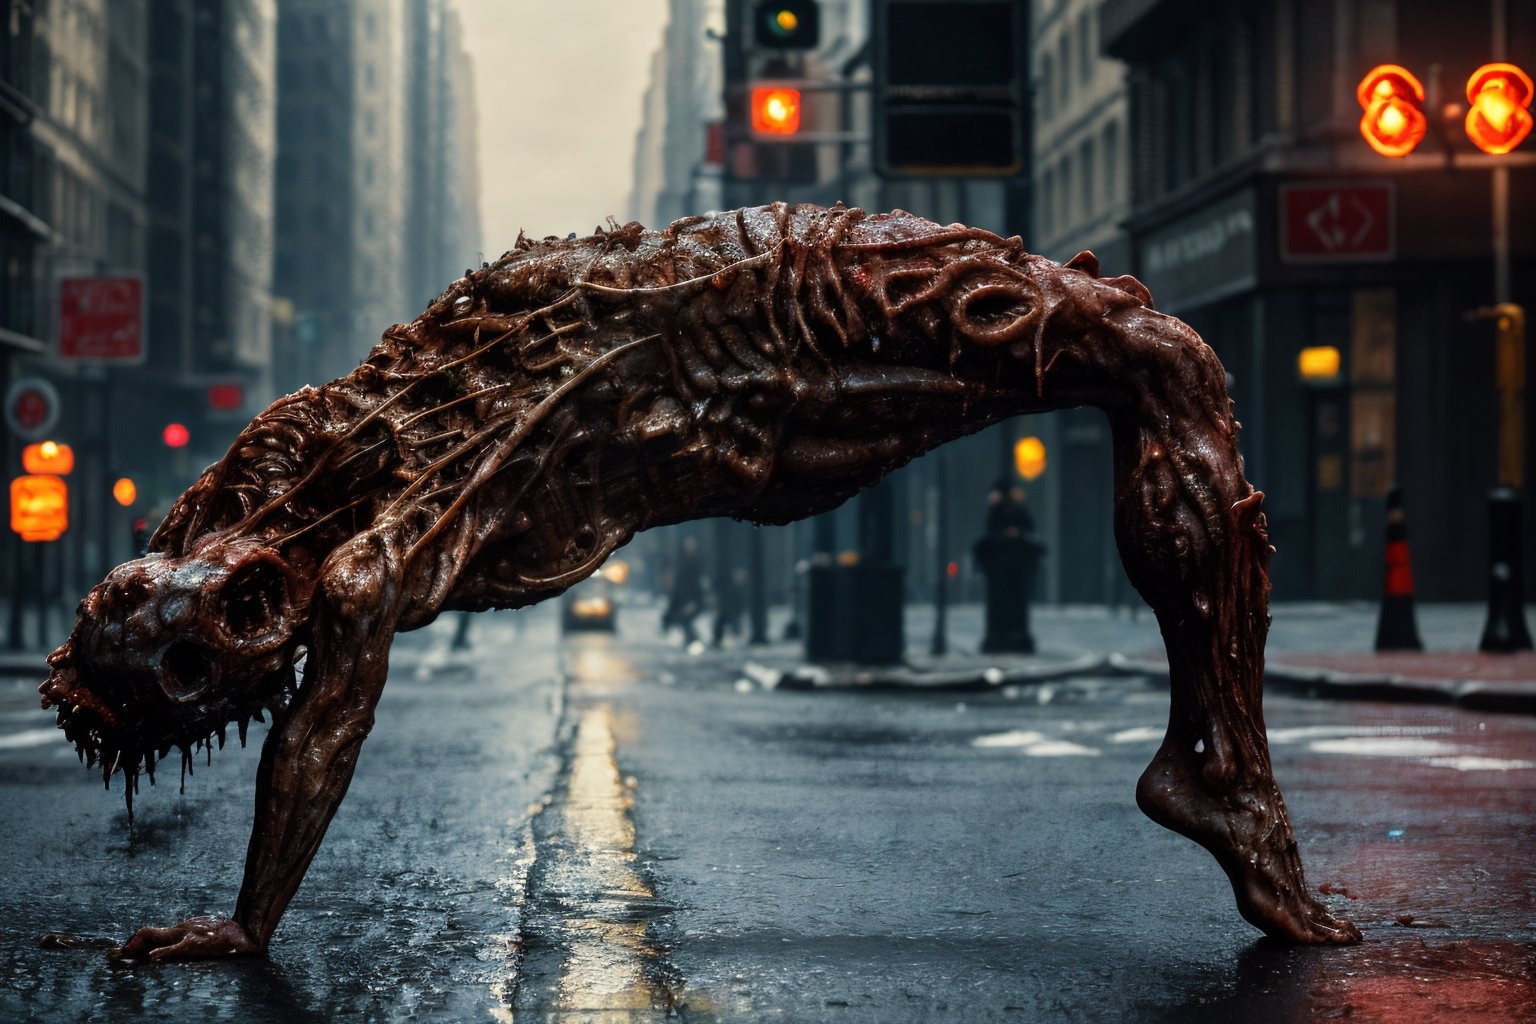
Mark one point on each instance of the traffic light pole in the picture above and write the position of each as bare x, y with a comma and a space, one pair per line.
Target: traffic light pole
1505, 629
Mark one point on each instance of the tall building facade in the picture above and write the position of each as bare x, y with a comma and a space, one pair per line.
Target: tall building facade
678, 148
211, 146
377, 192
1081, 201
1261, 217
254, 164
138, 143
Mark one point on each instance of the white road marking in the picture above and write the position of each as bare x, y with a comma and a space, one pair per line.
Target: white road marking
30, 738
1034, 744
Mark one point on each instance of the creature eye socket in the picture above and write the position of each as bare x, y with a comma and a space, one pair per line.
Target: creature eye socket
185, 671
253, 599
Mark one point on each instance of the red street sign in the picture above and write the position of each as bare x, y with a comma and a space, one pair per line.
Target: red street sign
1325, 222
31, 407
101, 319
225, 396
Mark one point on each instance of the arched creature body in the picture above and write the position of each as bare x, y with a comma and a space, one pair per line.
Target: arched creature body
764, 363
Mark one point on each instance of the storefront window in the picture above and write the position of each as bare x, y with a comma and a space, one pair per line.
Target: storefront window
1373, 395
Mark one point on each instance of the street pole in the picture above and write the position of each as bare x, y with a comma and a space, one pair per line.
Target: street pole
941, 557
1505, 629
759, 608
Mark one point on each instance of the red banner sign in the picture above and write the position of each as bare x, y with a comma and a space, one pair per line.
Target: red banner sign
101, 319
1331, 222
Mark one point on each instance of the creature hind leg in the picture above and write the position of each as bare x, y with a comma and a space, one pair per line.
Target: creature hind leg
1191, 533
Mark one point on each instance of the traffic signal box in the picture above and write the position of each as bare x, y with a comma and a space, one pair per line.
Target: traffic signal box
786, 24
40, 498
1393, 121
775, 110
1498, 107
949, 87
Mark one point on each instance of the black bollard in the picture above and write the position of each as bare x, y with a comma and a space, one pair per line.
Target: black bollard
1396, 627
1505, 629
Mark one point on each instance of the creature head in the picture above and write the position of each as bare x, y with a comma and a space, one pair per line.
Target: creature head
167, 651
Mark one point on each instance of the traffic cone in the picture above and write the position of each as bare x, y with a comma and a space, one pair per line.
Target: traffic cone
1396, 628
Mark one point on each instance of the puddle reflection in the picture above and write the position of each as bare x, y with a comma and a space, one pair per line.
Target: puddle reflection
1407, 981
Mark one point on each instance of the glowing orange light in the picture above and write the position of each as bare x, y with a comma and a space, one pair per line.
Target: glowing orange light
1029, 457
1393, 101
1318, 362
1498, 107
48, 457
39, 507
786, 20
775, 110
125, 492
175, 435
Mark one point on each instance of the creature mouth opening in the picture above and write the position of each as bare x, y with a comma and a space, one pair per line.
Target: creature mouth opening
186, 672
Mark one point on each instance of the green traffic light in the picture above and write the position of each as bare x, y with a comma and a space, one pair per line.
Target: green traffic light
783, 22
787, 24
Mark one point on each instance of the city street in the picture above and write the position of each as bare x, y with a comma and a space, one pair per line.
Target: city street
610, 828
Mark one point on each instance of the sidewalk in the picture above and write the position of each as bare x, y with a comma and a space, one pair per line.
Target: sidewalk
1315, 650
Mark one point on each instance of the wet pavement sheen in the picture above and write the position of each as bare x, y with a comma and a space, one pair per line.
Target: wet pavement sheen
610, 829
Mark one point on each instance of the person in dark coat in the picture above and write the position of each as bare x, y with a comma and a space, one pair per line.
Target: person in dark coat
685, 600
1007, 554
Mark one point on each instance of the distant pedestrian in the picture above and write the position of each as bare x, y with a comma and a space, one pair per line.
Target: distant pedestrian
461, 632
685, 600
730, 605
1008, 554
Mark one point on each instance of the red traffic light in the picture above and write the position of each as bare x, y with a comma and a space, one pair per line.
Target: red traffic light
175, 435
1393, 101
775, 110
1498, 107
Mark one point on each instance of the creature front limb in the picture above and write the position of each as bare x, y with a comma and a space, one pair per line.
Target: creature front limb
308, 759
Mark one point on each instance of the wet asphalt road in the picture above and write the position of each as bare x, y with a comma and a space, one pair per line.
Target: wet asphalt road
609, 829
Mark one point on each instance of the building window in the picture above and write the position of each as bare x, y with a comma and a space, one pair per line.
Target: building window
1067, 216
1046, 219
1087, 56
1088, 192
1047, 87
1111, 163
1064, 68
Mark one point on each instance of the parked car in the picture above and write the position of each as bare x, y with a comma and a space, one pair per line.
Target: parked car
590, 606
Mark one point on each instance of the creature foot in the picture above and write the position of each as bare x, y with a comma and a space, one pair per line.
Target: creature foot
1243, 823
199, 938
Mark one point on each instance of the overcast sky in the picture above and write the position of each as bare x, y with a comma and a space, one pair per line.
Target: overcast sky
559, 85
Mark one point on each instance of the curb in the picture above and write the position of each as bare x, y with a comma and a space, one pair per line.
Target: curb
1472, 694
907, 677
